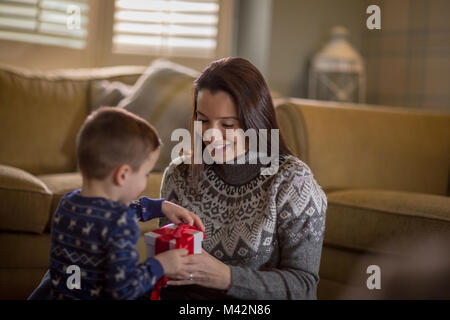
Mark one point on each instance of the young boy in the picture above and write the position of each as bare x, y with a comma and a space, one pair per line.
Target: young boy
94, 229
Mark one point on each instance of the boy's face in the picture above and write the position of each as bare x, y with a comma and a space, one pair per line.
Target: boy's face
136, 182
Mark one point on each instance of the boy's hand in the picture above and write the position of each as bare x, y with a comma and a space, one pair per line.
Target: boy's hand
173, 263
178, 214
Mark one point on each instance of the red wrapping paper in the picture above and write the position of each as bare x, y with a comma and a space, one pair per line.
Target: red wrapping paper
182, 236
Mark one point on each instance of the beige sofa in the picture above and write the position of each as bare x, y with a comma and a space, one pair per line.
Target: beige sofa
385, 171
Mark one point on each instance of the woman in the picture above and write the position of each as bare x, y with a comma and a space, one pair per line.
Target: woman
264, 233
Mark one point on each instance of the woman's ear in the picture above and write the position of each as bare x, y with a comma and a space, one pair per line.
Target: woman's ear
121, 174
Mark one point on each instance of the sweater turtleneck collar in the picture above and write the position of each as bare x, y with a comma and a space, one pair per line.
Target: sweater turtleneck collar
238, 174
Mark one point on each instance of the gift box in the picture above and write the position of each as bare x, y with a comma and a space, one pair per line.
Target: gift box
171, 236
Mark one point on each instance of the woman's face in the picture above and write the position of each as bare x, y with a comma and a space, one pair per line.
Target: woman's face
218, 111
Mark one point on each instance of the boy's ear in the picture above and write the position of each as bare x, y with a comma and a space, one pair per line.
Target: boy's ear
120, 174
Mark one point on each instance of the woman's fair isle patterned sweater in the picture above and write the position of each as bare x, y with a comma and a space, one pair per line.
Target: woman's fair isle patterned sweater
268, 229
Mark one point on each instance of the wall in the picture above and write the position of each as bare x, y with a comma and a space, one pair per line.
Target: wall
280, 36
408, 61
299, 29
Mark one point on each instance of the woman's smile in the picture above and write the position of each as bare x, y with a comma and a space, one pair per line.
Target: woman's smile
221, 147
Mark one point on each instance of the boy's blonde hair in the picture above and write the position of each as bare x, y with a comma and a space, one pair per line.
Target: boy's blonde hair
111, 137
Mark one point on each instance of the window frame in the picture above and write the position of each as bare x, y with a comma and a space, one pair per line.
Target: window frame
98, 49
53, 38
100, 37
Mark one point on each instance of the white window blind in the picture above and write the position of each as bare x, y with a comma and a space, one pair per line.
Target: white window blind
166, 27
50, 22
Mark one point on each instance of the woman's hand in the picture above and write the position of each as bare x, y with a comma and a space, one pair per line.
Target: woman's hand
206, 271
178, 214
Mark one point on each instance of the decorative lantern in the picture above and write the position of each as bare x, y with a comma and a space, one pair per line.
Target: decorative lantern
337, 71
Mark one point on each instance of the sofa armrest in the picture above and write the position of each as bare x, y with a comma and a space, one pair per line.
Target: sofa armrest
360, 147
25, 201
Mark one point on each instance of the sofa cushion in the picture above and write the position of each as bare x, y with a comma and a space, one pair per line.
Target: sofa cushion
107, 93
163, 96
365, 219
24, 201
24, 250
60, 184
41, 114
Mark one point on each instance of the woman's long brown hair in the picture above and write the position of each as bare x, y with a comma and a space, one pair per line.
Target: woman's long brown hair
250, 93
